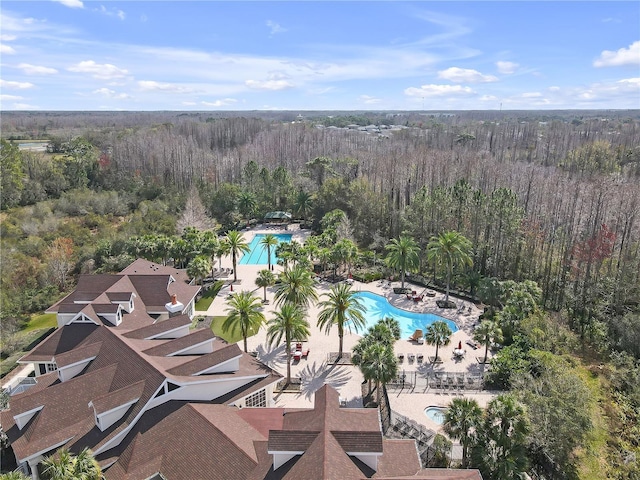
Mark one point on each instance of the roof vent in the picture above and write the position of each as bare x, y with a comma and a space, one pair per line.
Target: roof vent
174, 307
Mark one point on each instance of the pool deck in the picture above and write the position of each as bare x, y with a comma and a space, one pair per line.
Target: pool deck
315, 371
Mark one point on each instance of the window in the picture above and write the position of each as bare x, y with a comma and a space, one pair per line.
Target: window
258, 399
50, 367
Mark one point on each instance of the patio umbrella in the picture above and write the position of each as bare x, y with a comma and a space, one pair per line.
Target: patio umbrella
460, 345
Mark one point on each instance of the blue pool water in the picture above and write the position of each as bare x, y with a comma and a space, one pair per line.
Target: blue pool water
378, 307
257, 255
436, 414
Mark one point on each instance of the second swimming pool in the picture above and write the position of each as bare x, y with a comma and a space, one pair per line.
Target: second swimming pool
257, 255
378, 307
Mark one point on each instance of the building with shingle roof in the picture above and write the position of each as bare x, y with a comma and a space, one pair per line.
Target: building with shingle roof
116, 356
155, 399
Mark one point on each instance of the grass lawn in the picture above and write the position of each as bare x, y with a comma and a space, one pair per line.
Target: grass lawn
37, 322
207, 298
231, 336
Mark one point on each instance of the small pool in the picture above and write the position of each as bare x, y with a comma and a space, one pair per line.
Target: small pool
378, 307
257, 255
436, 414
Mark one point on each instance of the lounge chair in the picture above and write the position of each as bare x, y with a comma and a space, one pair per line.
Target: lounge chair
472, 344
305, 354
420, 358
417, 336
411, 357
401, 357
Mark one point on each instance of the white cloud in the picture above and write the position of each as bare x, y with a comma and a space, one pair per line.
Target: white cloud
624, 56
268, 84
7, 38
106, 92
554, 89
15, 85
25, 106
7, 50
220, 103
114, 12
275, 27
506, 68
153, 86
7, 98
105, 71
36, 69
465, 75
531, 95
438, 91
369, 100
71, 3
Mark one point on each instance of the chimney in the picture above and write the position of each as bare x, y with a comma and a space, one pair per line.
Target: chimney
174, 307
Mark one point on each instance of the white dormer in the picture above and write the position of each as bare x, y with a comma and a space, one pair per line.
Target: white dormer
69, 371
110, 408
23, 418
231, 365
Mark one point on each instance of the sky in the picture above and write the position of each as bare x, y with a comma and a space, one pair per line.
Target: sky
325, 55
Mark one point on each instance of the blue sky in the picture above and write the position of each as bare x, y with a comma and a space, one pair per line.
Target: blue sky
331, 55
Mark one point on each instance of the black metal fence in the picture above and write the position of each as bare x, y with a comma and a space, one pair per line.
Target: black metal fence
444, 382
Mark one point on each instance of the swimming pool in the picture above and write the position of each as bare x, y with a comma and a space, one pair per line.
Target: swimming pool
436, 414
257, 255
378, 307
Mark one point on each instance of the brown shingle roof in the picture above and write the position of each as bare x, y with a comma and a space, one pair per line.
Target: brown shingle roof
60, 341
78, 354
204, 451
203, 362
171, 346
359, 441
119, 397
159, 327
290, 440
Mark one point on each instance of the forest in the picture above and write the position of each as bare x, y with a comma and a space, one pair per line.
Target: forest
546, 197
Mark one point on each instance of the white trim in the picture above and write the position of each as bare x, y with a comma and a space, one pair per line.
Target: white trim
157, 401
219, 366
85, 317
192, 347
167, 332
29, 414
99, 418
84, 362
39, 453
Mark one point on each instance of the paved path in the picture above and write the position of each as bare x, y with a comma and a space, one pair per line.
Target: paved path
316, 371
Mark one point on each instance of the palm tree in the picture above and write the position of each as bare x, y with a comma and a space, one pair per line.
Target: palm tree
500, 450
341, 307
290, 323
244, 313
86, 466
403, 255
296, 286
380, 365
265, 279
223, 249
209, 246
485, 333
450, 249
58, 466
247, 205
237, 245
15, 475
460, 421
438, 333
64, 466
302, 204
199, 267
269, 241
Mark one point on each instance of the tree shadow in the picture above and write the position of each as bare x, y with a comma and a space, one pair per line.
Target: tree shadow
314, 376
272, 357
